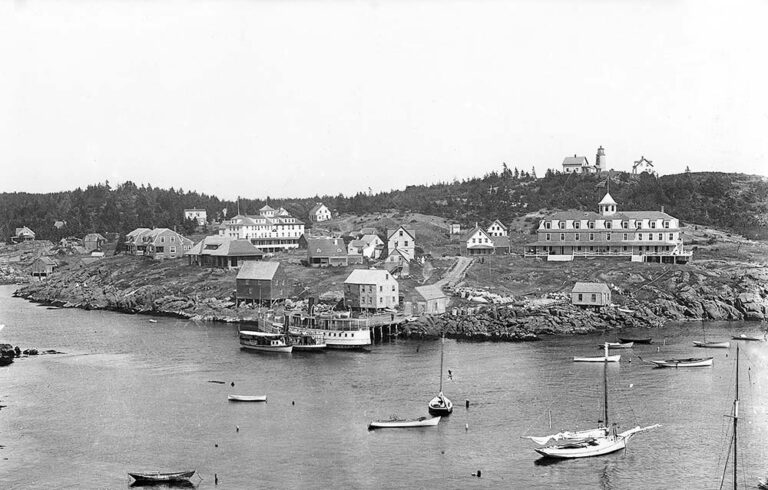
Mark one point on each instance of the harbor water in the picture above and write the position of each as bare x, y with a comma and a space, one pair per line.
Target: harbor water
127, 394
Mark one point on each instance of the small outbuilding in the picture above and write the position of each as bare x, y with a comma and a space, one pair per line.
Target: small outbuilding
93, 241
428, 300
590, 294
42, 267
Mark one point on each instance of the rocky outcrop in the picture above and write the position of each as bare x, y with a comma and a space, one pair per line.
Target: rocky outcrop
7, 354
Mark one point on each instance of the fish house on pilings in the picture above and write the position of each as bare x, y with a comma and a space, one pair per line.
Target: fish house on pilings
263, 283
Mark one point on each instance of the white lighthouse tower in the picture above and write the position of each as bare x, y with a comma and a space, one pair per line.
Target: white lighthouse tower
600, 164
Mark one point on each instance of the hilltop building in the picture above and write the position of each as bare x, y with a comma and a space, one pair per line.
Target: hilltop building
580, 164
23, 234
371, 289
272, 230
199, 215
643, 236
319, 212
369, 246
329, 251
403, 240
93, 241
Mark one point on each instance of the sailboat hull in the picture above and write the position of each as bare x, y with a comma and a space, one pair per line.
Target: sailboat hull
436, 407
586, 449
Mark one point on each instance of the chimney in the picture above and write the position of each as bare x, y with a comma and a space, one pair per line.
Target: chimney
662, 208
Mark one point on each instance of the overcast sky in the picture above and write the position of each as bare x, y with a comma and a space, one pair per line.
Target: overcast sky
297, 98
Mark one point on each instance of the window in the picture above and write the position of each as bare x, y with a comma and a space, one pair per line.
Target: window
581, 297
666, 224
381, 289
172, 250
608, 224
591, 224
562, 237
578, 237
608, 236
548, 237
173, 239
561, 225
594, 298
406, 243
577, 224
671, 236
624, 236
381, 299
473, 240
395, 244
625, 224
401, 232
393, 299
660, 237
591, 236
547, 225
639, 236
393, 288
653, 224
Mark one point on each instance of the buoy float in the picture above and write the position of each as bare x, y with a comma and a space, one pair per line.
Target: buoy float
466, 426
466, 402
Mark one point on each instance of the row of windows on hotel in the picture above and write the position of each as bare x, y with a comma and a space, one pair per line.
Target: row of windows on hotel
624, 236
608, 224
265, 235
371, 300
624, 248
370, 287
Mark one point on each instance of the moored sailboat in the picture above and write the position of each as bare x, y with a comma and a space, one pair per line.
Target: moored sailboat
440, 404
595, 442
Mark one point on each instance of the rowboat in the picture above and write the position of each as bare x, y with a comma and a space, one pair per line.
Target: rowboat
644, 340
690, 362
247, 398
712, 345
618, 345
396, 423
747, 337
614, 358
158, 477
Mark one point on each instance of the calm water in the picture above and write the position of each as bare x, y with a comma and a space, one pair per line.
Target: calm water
133, 395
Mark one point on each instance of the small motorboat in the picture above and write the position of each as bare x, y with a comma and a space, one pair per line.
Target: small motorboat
747, 337
397, 423
614, 358
712, 345
618, 345
247, 398
159, 477
690, 362
152, 320
644, 340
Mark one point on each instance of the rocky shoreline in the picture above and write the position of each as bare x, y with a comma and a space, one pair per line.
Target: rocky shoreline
740, 293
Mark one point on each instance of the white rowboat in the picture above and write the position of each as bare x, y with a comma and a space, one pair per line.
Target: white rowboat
690, 362
247, 398
712, 345
614, 358
395, 423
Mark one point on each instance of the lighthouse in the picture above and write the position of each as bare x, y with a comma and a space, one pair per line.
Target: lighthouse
600, 160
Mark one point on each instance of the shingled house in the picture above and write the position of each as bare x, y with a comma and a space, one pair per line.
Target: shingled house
222, 251
262, 282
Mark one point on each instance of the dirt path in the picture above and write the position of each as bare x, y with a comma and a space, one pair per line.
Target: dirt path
456, 273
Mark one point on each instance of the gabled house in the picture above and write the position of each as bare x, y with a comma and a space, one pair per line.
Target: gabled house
590, 294
327, 251
23, 234
319, 212
373, 289
262, 282
157, 243
402, 239
478, 242
221, 251
93, 241
501, 245
42, 267
199, 215
369, 246
497, 229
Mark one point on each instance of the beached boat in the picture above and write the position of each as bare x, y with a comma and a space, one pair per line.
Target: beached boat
306, 341
762, 483
643, 340
397, 423
605, 358
440, 404
247, 398
690, 362
265, 342
618, 345
159, 477
747, 337
339, 330
602, 441
712, 345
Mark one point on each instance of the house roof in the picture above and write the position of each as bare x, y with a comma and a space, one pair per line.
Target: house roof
575, 160
590, 287
46, 260
410, 232
368, 231
192, 210
368, 276
316, 208
500, 241
497, 222
218, 245
326, 247
371, 238
401, 253
267, 207
357, 243
474, 230
24, 231
135, 233
430, 292
252, 269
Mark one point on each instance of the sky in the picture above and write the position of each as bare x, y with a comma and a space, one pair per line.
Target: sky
303, 98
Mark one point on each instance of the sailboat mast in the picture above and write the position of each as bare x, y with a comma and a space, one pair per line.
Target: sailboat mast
735, 422
442, 348
605, 386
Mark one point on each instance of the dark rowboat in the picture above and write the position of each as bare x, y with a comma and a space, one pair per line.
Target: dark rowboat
625, 340
747, 337
158, 477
